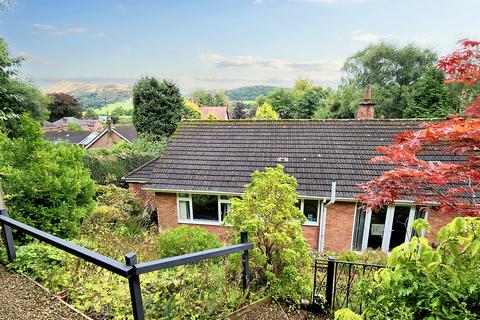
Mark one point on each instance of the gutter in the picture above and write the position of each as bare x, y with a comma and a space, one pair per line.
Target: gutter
323, 217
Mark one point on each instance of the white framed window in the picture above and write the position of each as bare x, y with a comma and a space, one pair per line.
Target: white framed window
311, 208
202, 208
385, 229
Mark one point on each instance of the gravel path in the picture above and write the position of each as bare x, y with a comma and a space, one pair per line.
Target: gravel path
22, 299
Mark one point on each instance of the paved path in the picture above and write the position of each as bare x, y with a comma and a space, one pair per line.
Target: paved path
21, 298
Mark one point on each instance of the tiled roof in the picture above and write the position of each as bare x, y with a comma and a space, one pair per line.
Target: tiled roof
219, 156
219, 112
127, 130
73, 137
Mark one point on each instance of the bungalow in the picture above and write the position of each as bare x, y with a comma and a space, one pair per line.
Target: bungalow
208, 162
106, 138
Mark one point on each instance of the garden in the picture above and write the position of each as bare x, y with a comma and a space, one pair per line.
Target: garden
60, 189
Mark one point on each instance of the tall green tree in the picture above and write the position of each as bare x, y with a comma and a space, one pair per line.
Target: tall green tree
283, 102
430, 97
17, 97
391, 71
45, 184
206, 98
157, 106
63, 105
266, 112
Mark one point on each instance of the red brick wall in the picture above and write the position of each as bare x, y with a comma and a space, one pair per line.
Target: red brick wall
108, 140
437, 220
339, 226
147, 197
311, 235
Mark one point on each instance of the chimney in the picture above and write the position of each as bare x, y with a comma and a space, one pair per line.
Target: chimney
366, 108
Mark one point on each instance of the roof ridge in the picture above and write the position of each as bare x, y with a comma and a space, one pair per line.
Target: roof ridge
308, 120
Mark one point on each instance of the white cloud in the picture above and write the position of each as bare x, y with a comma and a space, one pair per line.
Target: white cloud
62, 31
40, 26
369, 37
77, 30
254, 62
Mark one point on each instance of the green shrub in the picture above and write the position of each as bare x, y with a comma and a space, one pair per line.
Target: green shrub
369, 256
280, 259
45, 184
184, 239
110, 165
42, 262
421, 282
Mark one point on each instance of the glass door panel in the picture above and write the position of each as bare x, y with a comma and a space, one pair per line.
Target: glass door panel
399, 226
377, 226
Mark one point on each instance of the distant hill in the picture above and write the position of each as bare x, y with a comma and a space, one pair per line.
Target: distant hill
93, 95
248, 93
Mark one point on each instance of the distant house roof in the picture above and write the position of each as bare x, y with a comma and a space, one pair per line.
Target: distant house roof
219, 112
127, 132
72, 137
219, 156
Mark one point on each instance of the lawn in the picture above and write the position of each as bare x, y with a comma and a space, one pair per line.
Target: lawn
127, 105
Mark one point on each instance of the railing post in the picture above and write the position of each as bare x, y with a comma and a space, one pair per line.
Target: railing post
135, 289
245, 262
315, 267
8, 237
330, 282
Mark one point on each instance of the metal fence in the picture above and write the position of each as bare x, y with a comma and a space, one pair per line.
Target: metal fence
131, 269
333, 286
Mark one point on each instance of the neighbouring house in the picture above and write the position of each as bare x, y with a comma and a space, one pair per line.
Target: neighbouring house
112, 135
62, 124
82, 138
208, 162
107, 138
220, 112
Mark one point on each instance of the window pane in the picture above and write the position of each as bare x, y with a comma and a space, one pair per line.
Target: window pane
224, 207
377, 225
224, 197
358, 229
205, 207
184, 209
399, 226
310, 209
298, 204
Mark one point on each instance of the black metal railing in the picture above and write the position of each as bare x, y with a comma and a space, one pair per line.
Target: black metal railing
131, 269
334, 283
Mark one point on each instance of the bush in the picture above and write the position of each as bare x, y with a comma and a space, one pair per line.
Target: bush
421, 282
45, 185
42, 262
281, 257
369, 256
184, 239
110, 165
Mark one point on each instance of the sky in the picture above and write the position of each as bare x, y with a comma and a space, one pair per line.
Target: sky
220, 44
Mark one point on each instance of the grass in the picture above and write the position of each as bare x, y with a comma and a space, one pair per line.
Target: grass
127, 105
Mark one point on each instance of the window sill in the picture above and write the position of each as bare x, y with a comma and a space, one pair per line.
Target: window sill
310, 224
202, 222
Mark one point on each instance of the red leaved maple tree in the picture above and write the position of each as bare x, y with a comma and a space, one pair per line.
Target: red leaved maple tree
453, 185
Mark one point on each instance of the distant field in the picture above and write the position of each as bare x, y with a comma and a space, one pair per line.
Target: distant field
127, 105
